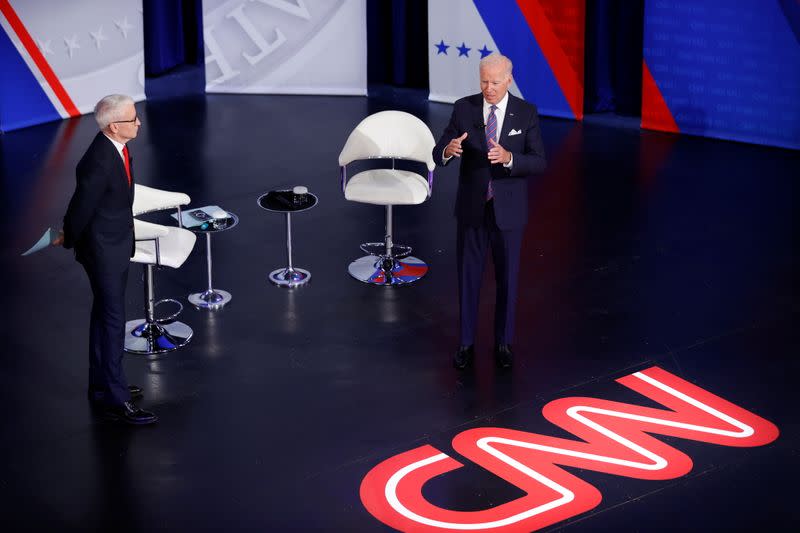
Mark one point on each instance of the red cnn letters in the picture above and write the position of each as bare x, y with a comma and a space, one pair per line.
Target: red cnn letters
615, 439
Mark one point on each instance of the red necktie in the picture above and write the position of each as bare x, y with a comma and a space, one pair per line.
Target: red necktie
127, 163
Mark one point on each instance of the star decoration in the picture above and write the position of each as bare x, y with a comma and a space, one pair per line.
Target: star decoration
124, 26
72, 45
442, 48
44, 46
484, 51
463, 50
98, 37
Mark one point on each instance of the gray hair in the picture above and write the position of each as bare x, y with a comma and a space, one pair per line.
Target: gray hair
109, 109
497, 60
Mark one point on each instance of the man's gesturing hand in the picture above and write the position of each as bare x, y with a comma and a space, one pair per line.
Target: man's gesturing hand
453, 148
498, 154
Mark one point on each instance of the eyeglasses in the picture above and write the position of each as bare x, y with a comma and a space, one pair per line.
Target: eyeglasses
132, 121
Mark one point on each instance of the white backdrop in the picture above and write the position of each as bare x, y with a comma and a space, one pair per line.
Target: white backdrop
286, 46
451, 24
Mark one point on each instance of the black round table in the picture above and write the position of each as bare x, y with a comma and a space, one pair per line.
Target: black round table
286, 201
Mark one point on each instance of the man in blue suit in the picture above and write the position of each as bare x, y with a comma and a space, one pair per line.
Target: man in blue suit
496, 136
99, 226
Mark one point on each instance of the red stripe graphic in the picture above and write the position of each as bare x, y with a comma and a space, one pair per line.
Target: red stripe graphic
611, 437
38, 58
567, 68
655, 112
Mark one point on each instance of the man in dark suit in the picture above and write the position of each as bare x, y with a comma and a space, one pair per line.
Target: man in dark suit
99, 226
496, 136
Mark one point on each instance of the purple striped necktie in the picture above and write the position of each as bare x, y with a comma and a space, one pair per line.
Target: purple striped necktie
491, 135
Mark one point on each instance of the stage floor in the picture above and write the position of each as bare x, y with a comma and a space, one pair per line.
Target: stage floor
643, 249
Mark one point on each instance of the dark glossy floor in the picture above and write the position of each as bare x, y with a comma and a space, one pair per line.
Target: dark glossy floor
642, 249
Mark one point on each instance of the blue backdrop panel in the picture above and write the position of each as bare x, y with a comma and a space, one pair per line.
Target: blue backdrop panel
22, 100
728, 69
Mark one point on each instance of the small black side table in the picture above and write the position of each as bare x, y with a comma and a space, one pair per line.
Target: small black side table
288, 201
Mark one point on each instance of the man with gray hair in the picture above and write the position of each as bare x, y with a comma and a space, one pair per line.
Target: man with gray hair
99, 226
496, 136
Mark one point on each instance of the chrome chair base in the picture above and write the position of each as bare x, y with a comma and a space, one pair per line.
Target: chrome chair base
290, 277
387, 271
399, 251
210, 299
152, 338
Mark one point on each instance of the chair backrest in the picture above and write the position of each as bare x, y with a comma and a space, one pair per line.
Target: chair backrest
390, 135
147, 199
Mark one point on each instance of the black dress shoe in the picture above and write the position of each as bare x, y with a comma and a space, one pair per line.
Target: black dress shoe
463, 357
129, 414
503, 355
99, 396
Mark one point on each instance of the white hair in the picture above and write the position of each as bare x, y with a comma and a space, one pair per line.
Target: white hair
109, 109
497, 60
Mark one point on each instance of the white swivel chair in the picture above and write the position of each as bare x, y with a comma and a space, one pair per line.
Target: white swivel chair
157, 246
388, 135
147, 199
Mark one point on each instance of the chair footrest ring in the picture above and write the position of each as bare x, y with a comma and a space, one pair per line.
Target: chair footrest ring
379, 249
169, 319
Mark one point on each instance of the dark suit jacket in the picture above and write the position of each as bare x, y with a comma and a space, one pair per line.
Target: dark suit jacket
510, 187
99, 219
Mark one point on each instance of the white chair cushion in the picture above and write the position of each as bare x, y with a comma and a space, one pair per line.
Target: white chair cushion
147, 230
147, 199
387, 187
174, 244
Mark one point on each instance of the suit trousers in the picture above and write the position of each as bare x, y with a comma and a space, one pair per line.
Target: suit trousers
472, 245
107, 335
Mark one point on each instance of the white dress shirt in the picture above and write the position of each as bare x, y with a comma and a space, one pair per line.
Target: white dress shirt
118, 145
500, 113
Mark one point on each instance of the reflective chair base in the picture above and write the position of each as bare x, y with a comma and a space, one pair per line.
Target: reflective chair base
152, 338
290, 277
387, 271
210, 299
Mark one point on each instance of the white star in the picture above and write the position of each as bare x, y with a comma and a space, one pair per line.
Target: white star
98, 37
44, 46
124, 26
71, 45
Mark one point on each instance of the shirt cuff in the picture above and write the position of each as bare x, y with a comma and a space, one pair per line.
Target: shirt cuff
510, 162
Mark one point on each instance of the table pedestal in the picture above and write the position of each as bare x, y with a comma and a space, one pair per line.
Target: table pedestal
210, 298
289, 276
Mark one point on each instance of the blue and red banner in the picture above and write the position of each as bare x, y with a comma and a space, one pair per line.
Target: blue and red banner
543, 38
723, 69
59, 58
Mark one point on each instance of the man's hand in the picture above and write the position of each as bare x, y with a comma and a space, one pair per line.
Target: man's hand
59, 241
453, 148
498, 154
